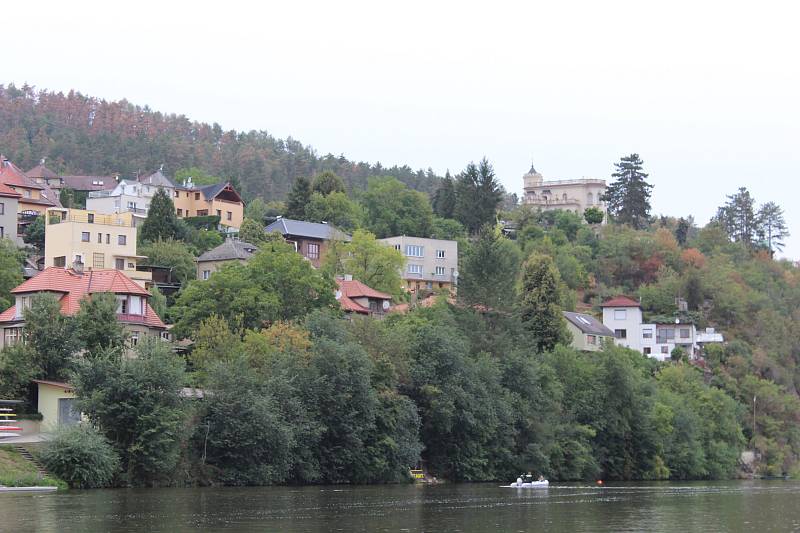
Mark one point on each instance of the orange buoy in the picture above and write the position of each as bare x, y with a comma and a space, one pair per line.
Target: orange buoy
599, 481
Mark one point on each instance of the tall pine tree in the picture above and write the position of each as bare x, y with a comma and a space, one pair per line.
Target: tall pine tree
161, 222
738, 218
444, 199
478, 194
298, 198
628, 198
540, 300
772, 226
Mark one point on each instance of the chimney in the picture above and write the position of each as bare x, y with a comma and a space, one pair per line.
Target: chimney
77, 266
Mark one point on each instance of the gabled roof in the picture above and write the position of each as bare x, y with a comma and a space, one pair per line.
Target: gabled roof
8, 192
312, 230
587, 324
157, 179
620, 301
349, 289
89, 183
229, 250
11, 175
41, 171
73, 286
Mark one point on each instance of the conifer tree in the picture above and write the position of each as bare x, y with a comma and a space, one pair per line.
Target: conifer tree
478, 194
628, 198
738, 217
540, 302
772, 226
326, 183
298, 198
444, 200
161, 222
682, 231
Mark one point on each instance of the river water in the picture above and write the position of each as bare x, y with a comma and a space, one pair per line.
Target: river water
693, 506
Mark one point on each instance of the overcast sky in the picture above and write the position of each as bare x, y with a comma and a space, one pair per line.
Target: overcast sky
706, 92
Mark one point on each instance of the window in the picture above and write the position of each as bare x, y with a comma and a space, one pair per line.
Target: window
219, 213
131, 266
2, 232
85, 236
67, 414
131, 205
228, 215
412, 250
197, 196
122, 240
440, 271
439, 254
90, 218
647, 350
177, 194
2, 208
98, 260
27, 193
206, 274
99, 238
397, 247
621, 333
591, 340
12, 336
665, 349
122, 305
312, 250
180, 212
60, 261
415, 269
135, 305
620, 314
202, 213
685, 333
119, 264
108, 238
134, 339
647, 333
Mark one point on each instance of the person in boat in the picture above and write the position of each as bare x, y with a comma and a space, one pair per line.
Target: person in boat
528, 478
541, 477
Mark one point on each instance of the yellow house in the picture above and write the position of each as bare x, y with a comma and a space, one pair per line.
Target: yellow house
56, 404
34, 199
97, 241
220, 199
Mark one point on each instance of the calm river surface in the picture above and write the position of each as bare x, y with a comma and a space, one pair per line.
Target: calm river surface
702, 506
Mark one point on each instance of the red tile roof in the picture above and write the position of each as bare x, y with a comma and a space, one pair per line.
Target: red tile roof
11, 175
349, 289
41, 171
8, 192
73, 287
620, 301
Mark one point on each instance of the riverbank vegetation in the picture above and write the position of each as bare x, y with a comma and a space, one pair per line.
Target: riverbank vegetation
16, 471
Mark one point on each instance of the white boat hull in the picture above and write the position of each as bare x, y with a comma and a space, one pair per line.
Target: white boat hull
532, 485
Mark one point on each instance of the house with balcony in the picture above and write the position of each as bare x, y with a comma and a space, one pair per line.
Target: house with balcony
588, 333
34, 200
310, 239
358, 298
98, 241
570, 195
219, 199
655, 338
71, 286
430, 263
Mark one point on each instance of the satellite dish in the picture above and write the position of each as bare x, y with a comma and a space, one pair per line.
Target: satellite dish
338, 295
386, 305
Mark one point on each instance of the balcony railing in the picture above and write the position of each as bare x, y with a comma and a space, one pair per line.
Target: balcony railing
99, 219
127, 317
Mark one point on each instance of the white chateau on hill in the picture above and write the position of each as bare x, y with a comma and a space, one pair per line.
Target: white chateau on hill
572, 195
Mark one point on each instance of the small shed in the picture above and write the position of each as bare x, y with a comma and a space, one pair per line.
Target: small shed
56, 404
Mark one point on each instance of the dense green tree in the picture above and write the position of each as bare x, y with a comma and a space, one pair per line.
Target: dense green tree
97, 327
593, 215
489, 271
135, 403
201, 240
478, 194
444, 200
161, 222
326, 183
335, 208
171, 254
198, 175
158, 301
252, 232
772, 226
298, 199
11, 260
368, 261
256, 210
392, 209
628, 198
34, 233
739, 219
50, 335
447, 229
274, 284
682, 231
540, 302
81, 456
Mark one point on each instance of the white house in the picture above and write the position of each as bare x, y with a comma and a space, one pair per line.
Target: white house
130, 195
623, 316
430, 263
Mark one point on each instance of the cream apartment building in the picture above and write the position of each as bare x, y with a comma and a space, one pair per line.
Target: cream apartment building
571, 195
96, 240
430, 263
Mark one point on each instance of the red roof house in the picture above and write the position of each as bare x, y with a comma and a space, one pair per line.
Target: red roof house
620, 301
356, 297
71, 287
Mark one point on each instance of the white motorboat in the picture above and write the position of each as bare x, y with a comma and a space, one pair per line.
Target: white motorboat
530, 484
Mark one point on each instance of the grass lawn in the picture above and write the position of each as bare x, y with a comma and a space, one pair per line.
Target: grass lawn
16, 471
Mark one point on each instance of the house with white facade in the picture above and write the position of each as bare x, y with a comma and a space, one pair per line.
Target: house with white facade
623, 316
430, 263
132, 196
